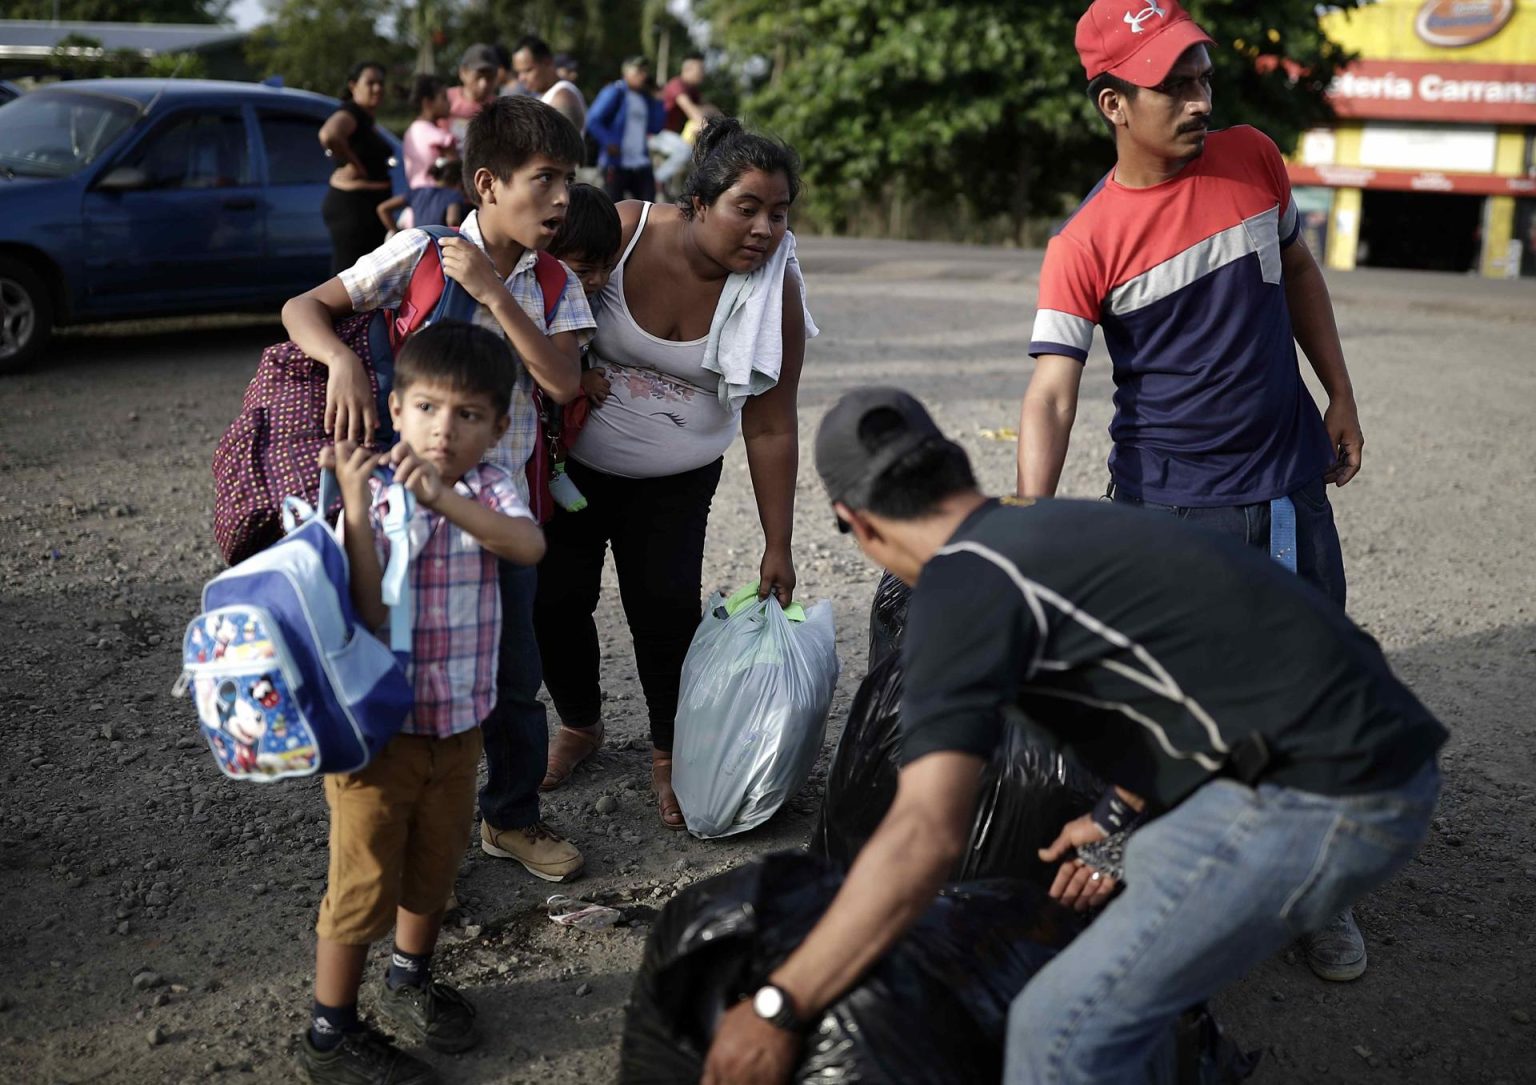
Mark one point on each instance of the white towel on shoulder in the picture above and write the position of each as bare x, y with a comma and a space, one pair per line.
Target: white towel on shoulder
746, 337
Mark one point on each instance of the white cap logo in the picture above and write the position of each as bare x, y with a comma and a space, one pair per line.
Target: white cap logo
1143, 15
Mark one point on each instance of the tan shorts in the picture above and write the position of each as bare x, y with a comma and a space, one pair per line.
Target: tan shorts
398, 833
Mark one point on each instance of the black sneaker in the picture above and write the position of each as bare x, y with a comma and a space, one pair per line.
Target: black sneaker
363, 1057
435, 1015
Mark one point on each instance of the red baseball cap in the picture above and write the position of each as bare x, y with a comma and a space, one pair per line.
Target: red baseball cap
1137, 40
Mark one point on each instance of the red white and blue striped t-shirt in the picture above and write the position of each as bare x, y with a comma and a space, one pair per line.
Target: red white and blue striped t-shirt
1184, 277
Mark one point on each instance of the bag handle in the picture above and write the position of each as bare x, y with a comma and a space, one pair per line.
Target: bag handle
394, 588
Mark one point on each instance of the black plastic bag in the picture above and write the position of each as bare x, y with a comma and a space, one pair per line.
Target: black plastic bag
938, 1001
934, 1009
1029, 791
887, 618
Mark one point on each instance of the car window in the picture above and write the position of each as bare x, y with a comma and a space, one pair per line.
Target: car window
56, 133
294, 154
196, 150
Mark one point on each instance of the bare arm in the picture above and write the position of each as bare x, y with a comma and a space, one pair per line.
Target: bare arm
389, 210
1045, 423
770, 427
334, 134
350, 410
514, 538
1312, 322
891, 883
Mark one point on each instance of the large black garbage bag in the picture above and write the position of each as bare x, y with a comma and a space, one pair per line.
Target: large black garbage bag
1029, 791
938, 1001
887, 618
933, 1010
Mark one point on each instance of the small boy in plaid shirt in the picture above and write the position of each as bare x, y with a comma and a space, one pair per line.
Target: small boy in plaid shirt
399, 827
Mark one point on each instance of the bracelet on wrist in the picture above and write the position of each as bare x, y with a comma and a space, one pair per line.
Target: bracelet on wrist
1113, 814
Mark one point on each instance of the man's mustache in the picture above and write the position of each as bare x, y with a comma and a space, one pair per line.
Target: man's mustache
1193, 126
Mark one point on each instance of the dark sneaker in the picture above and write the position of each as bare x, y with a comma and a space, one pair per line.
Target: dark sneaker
363, 1058
1337, 952
435, 1015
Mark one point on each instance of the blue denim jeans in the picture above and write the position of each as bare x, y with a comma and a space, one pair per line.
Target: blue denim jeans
1319, 559
516, 732
1212, 888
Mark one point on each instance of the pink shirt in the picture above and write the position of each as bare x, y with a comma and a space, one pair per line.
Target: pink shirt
424, 144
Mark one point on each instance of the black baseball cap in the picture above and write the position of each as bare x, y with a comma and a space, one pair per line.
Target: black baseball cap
850, 465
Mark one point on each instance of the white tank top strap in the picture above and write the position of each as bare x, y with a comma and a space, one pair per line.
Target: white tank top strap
645, 214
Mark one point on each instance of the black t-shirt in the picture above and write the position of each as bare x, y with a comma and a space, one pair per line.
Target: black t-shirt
372, 149
1152, 650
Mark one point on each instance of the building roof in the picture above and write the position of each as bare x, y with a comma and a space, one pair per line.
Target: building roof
30, 38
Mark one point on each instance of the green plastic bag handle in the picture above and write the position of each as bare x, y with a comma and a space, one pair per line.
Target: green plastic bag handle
746, 596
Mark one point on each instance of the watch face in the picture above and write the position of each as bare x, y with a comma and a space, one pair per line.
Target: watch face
768, 1002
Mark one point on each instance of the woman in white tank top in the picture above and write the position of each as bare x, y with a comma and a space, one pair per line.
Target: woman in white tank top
648, 458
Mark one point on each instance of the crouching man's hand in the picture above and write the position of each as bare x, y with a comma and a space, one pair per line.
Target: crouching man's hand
750, 1051
1078, 885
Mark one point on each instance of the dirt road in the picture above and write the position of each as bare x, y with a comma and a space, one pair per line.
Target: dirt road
122, 851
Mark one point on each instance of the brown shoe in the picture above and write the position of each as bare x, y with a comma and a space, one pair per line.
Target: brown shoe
543, 852
572, 746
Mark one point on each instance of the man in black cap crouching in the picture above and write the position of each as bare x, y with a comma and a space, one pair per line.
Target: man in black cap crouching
1267, 766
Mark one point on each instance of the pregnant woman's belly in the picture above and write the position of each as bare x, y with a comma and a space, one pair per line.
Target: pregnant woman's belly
653, 425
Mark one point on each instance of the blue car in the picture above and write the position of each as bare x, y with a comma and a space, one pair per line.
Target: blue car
128, 198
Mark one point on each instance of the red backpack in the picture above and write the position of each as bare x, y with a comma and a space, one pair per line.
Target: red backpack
270, 450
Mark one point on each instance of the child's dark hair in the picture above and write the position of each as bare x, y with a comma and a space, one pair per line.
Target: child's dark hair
355, 73
450, 172
591, 230
915, 485
724, 152
426, 88
462, 356
510, 130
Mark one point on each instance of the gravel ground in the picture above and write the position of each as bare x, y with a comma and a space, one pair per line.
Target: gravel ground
157, 919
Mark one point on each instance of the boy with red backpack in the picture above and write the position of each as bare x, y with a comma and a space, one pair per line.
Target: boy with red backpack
520, 157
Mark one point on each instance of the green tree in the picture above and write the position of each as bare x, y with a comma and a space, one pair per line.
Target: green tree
979, 105
314, 43
121, 11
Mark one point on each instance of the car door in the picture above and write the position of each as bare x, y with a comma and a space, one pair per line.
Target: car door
298, 247
189, 231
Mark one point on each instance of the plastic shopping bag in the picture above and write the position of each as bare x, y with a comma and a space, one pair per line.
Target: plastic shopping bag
752, 711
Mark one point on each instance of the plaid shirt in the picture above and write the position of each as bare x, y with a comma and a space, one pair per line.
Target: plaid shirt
378, 281
456, 600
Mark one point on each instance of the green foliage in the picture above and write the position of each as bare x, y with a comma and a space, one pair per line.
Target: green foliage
979, 105
314, 43
121, 11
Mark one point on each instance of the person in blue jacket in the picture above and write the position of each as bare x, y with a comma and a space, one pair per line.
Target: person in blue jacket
622, 120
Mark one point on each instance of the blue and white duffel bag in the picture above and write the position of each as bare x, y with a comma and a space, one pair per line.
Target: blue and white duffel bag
286, 680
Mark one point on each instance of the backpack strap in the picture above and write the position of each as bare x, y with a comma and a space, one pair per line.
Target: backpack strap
395, 588
429, 294
552, 279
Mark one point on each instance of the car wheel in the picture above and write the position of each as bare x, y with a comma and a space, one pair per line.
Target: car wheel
26, 314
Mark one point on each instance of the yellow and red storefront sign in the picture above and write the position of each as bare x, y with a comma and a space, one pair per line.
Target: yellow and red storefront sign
1441, 100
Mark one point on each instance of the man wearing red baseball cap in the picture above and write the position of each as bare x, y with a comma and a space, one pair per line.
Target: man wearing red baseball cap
1188, 256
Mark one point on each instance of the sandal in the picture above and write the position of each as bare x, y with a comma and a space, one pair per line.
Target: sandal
666, 799
570, 748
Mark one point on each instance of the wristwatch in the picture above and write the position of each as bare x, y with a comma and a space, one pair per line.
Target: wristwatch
771, 1003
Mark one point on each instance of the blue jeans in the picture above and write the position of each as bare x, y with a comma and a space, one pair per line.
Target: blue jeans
516, 732
1319, 559
1212, 888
